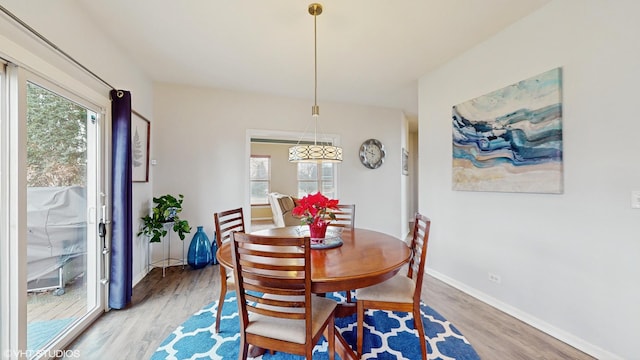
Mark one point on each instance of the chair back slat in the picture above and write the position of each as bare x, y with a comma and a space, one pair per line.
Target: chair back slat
268, 254
278, 303
275, 290
227, 222
345, 216
273, 313
272, 269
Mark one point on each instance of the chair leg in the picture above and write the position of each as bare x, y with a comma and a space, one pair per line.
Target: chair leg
244, 349
349, 296
223, 293
360, 324
308, 352
332, 338
417, 321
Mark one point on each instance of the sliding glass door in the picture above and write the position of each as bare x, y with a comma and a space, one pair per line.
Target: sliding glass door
56, 168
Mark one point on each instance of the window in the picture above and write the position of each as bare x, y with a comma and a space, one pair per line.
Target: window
314, 177
260, 179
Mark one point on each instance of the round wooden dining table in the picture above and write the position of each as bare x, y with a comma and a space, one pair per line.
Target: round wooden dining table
364, 258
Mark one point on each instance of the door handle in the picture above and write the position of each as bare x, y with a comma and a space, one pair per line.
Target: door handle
102, 233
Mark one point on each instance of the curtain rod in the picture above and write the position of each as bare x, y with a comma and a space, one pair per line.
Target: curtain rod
62, 52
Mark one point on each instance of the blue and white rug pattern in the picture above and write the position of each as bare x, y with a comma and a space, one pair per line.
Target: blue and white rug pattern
387, 335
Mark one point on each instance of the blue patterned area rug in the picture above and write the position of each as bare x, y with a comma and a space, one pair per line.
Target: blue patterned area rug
387, 335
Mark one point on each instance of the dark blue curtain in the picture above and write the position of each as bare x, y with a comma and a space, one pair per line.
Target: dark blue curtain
121, 274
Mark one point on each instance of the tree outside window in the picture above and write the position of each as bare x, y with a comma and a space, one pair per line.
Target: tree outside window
56, 142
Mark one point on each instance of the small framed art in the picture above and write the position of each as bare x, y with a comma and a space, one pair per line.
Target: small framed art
140, 133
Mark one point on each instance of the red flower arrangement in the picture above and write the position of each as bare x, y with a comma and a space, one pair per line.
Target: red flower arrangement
315, 211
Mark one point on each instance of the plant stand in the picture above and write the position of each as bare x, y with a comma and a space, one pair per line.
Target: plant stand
166, 259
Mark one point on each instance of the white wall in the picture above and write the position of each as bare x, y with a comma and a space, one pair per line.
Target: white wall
96, 52
200, 143
569, 262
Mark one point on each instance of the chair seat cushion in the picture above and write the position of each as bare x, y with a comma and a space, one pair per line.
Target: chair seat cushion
289, 329
398, 289
231, 283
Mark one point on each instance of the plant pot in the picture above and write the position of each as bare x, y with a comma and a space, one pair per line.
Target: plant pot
318, 230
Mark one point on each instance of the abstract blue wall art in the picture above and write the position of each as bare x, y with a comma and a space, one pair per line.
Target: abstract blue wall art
510, 140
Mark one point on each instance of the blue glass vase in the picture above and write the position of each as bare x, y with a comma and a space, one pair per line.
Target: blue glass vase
214, 250
199, 254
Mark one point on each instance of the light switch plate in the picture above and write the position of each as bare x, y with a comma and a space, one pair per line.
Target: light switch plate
635, 199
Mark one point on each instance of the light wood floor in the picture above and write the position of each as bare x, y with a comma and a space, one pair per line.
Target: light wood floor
161, 304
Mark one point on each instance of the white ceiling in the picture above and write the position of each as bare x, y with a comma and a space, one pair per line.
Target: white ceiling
369, 52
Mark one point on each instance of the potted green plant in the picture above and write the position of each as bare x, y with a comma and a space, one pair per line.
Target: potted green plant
166, 210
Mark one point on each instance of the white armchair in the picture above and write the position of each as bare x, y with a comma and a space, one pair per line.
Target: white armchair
281, 206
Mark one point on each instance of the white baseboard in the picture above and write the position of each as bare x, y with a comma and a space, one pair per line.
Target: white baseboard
139, 277
539, 324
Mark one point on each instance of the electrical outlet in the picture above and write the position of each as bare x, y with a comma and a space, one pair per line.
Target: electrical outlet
495, 278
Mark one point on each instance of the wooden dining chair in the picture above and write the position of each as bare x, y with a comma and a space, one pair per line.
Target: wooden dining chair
401, 292
273, 284
346, 219
345, 216
225, 223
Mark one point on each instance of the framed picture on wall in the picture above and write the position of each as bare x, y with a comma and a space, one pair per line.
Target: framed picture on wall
140, 133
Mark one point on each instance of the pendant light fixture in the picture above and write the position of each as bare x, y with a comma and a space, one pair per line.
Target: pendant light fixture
316, 152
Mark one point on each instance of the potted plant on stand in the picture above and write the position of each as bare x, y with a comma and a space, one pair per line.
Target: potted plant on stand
166, 210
